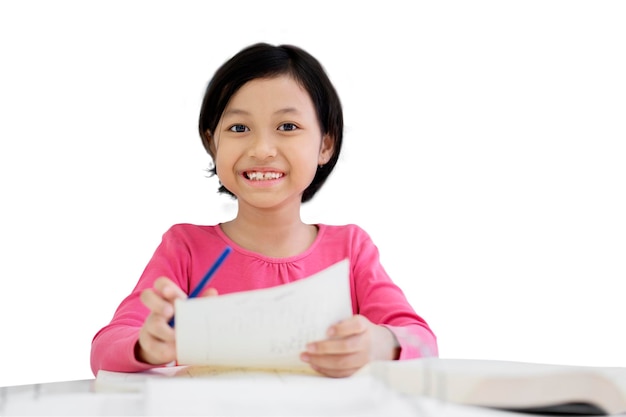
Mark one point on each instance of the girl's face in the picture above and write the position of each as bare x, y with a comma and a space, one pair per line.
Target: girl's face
268, 143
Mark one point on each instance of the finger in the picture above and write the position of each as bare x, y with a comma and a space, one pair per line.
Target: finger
156, 341
335, 365
168, 289
155, 351
345, 345
354, 325
156, 303
335, 373
157, 328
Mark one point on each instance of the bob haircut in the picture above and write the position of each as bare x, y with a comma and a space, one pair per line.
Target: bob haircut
262, 60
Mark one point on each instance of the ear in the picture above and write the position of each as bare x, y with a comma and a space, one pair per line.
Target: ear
326, 150
211, 141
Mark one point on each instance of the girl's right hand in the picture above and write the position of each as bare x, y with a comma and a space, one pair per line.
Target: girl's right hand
157, 344
157, 339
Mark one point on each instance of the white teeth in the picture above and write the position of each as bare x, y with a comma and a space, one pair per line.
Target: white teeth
259, 176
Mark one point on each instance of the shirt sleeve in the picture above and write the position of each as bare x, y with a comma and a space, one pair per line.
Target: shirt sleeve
380, 300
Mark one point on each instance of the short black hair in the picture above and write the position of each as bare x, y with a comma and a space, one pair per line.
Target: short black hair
263, 60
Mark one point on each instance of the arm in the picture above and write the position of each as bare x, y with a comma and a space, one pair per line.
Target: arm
116, 346
385, 326
385, 304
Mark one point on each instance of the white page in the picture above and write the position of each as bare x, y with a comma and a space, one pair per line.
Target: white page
266, 328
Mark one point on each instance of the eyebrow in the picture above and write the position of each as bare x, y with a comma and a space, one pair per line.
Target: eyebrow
286, 110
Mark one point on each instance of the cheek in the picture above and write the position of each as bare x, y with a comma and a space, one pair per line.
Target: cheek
224, 171
222, 152
308, 166
225, 160
222, 163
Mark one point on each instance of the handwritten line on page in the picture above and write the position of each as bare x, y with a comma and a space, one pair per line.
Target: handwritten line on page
265, 328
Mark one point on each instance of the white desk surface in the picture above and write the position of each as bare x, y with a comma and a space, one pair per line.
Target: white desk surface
78, 398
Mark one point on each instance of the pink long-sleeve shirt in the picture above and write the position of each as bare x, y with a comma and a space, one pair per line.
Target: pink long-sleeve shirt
187, 251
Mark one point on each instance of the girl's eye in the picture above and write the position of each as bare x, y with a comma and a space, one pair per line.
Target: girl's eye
238, 128
287, 127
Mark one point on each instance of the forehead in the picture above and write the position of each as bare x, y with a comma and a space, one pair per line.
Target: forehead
279, 91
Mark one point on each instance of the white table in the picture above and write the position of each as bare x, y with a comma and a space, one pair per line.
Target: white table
79, 398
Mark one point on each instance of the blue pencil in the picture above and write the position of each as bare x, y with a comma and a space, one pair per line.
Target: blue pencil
196, 291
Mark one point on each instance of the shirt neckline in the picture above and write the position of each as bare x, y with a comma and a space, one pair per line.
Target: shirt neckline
321, 229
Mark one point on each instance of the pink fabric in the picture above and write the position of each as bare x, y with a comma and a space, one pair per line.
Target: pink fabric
187, 251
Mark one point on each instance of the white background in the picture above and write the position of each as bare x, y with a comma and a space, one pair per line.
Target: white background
484, 152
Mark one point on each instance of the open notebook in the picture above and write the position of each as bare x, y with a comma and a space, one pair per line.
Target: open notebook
519, 386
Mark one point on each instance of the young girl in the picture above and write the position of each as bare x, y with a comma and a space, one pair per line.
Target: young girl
273, 125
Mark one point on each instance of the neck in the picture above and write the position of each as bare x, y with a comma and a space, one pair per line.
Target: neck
276, 235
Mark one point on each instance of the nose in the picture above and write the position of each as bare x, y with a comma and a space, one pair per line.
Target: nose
262, 146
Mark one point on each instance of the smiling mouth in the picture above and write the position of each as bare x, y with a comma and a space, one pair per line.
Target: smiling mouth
262, 176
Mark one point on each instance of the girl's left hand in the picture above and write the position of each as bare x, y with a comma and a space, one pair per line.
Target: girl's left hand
350, 345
